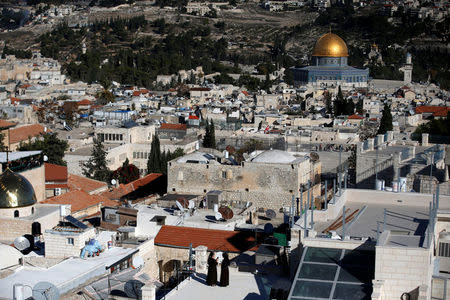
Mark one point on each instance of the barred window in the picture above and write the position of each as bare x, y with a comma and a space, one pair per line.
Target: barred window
444, 249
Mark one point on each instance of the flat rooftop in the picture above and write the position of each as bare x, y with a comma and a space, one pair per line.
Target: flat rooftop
66, 275
243, 285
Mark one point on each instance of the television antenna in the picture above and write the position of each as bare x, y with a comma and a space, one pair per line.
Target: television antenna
45, 291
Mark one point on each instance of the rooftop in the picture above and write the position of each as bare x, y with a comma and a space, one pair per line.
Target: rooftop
20, 134
65, 275
223, 240
55, 172
80, 200
85, 184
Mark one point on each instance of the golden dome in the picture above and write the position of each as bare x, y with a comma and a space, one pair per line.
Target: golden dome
330, 45
15, 190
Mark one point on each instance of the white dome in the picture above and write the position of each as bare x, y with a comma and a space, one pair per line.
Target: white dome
10, 256
274, 157
197, 157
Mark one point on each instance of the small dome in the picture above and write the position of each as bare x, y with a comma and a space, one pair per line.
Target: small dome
10, 256
274, 157
330, 45
15, 190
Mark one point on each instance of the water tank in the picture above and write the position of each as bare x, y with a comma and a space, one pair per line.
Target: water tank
402, 184
394, 186
379, 185
18, 291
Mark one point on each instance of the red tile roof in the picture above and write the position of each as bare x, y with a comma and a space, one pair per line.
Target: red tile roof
55, 172
80, 200
223, 240
20, 134
6, 124
437, 111
136, 93
191, 117
56, 185
88, 185
84, 102
245, 93
173, 126
125, 189
14, 100
355, 117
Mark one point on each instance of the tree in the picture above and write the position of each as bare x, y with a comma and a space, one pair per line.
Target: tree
2, 144
104, 97
386, 120
95, 167
50, 146
209, 139
126, 173
154, 160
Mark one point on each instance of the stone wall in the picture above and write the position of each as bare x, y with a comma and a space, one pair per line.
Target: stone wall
36, 177
264, 184
402, 269
57, 245
12, 228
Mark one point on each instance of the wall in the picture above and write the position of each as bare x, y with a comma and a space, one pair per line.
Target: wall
263, 184
402, 269
36, 177
56, 243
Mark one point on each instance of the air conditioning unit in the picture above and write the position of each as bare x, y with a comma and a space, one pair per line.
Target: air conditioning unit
57, 191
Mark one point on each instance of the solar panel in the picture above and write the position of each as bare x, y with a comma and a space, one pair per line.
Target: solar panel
75, 222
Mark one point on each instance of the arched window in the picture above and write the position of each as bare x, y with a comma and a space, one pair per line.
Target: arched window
16, 214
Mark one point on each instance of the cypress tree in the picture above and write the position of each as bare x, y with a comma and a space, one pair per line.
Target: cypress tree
386, 120
95, 167
212, 136
154, 159
207, 136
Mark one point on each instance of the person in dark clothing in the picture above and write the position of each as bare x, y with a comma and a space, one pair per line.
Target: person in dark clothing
211, 278
224, 271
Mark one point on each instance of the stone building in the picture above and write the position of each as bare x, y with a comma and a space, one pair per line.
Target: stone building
64, 242
269, 180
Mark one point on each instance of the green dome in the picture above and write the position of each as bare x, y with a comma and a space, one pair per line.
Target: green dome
15, 190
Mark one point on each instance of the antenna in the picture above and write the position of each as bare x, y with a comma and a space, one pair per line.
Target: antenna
218, 216
21, 243
45, 291
180, 207
226, 212
271, 214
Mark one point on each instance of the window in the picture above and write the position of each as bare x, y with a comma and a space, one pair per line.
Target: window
70, 241
444, 249
134, 154
16, 214
224, 174
180, 175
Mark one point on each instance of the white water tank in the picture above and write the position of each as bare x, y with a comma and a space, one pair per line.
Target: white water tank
402, 184
379, 185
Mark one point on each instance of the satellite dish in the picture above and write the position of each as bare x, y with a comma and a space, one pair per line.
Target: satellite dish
45, 158
226, 212
22, 243
270, 213
191, 204
137, 262
45, 291
218, 216
180, 207
268, 228
113, 181
314, 156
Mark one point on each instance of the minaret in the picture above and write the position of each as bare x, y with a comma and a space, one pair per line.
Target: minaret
407, 69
